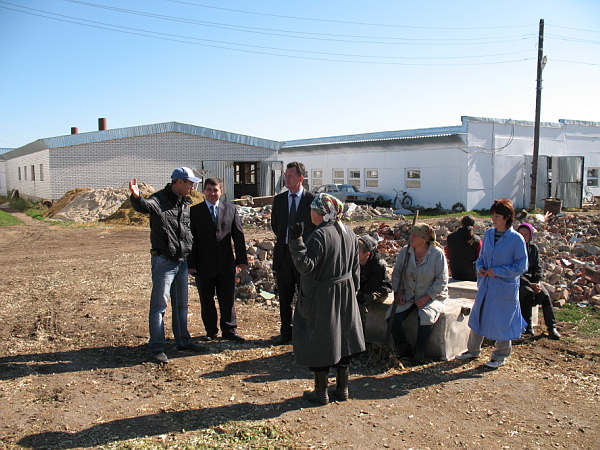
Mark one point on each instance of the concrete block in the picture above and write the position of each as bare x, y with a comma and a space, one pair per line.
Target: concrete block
465, 289
468, 289
450, 332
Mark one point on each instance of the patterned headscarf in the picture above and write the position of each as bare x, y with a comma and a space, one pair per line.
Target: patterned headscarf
426, 232
328, 206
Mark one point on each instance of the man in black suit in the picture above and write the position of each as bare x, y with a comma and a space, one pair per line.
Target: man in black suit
215, 225
289, 207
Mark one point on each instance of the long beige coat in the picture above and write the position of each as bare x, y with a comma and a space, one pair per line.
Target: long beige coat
430, 277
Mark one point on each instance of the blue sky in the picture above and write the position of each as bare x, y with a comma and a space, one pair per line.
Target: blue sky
286, 70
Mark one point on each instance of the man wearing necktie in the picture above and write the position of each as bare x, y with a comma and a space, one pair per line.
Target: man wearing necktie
215, 226
289, 208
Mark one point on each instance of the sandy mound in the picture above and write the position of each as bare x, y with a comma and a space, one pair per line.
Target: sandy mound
65, 200
93, 205
126, 215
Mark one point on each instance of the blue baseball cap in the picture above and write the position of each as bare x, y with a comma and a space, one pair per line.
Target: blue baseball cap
184, 173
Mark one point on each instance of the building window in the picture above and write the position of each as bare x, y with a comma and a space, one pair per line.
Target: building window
245, 173
592, 176
25, 172
413, 178
354, 177
41, 172
338, 176
371, 178
19, 173
317, 177
32, 172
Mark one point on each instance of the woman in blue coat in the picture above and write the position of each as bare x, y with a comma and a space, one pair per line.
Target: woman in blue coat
496, 313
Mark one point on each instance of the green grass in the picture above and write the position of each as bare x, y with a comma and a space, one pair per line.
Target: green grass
442, 214
7, 220
232, 435
587, 319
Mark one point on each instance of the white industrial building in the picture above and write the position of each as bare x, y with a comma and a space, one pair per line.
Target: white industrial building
473, 163
3, 190
47, 168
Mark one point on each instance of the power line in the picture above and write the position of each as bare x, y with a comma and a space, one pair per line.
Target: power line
340, 21
576, 29
266, 50
311, 35
185, 39
570, 39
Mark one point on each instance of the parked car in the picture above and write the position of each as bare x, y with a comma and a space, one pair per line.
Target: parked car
347, 193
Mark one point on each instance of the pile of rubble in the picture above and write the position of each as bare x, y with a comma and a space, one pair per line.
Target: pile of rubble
568, 245
261, 216
258, 216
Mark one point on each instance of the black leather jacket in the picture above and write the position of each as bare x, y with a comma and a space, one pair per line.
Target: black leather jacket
170, 233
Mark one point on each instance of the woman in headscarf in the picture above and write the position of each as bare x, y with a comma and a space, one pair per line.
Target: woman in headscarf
327, 326
531, 291
496, 312
425, 287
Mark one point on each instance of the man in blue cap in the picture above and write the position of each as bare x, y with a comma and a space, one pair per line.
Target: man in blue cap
171, 241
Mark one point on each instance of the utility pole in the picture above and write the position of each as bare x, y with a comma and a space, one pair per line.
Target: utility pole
541, 62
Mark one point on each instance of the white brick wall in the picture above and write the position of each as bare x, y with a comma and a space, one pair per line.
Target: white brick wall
27, 187
150, 159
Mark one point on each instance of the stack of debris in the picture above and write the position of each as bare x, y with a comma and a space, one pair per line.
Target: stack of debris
259, 217
355, 212
568, 246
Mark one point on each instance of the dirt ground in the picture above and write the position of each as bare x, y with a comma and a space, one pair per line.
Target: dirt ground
75, 373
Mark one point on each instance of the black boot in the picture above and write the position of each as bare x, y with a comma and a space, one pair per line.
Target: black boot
423, 334
402, 350
550, 320
341, 383
419, 356
319, 394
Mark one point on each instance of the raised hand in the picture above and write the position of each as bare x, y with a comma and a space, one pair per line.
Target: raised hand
133, 187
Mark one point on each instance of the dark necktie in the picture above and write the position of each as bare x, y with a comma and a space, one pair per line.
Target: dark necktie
292, 217
213, 213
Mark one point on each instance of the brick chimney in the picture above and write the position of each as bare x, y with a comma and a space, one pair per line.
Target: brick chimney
101, 124
74, 130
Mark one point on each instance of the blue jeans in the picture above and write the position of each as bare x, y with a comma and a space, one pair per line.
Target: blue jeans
168, 278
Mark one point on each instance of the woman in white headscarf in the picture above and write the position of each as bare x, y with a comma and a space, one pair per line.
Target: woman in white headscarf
327, 325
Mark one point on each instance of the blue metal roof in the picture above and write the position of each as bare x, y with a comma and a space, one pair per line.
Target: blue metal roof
378, 136
142, 130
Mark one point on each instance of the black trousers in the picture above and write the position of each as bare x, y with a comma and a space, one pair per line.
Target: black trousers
529, 299
224, 287
288, 282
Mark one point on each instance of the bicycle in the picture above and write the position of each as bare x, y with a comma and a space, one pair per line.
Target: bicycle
406, 201
588, 196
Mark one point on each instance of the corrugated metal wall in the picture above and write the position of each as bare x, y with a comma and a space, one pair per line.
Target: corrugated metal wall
224, 171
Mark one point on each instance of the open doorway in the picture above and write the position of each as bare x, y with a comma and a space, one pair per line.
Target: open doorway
245, 179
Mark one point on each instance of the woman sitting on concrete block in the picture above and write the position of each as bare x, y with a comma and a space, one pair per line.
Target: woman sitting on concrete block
425, 289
